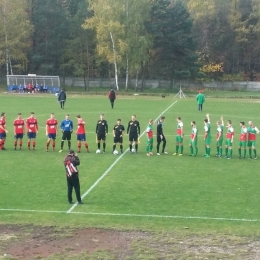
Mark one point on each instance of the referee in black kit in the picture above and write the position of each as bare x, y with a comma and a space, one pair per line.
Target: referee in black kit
133, 129
101, 132
118, 133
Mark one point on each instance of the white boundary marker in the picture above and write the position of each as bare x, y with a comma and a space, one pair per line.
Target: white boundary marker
132, 215
114, 163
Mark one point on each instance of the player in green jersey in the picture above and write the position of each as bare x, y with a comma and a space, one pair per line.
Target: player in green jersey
229, 140
252, 131
207, 136
179, 137
149, 138
242, 140
220, 128
193, 139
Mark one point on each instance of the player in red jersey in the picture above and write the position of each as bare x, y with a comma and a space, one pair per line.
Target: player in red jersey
3, 131
51, 131
32, 130
18, 131
81, 133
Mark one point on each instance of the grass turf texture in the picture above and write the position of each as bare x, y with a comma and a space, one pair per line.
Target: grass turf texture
139, 185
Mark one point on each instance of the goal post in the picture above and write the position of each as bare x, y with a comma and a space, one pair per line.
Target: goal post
51, 84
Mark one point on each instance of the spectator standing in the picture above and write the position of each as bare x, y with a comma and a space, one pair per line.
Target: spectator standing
200, 100
62, 98
112, 97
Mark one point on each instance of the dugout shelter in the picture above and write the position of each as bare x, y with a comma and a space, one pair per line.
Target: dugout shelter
51, 84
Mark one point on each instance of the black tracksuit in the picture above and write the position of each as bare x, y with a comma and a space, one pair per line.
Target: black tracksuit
62, 98
160, 137
73, 180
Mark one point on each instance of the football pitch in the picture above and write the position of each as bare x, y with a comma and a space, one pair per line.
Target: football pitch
132, 191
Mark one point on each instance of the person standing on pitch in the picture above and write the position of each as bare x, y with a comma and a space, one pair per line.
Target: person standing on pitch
133, 129
101, 132
160, 136
194, 140
3, 131
118, 132
149, 139
229, 140
81, 134
71, 161
252, 130
62, 98
200, 100
51, 131
207, 136
18, 131
67, 128
242, 140
32, 130
220, 131
112, 97
179, 137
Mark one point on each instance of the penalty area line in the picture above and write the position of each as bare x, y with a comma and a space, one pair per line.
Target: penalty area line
133, 215
114, 163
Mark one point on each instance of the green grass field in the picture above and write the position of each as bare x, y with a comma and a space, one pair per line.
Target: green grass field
159, 193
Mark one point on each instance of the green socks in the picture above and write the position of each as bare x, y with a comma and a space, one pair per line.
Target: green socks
226, 150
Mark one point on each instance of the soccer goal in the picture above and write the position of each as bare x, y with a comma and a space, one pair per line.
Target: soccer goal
33, 83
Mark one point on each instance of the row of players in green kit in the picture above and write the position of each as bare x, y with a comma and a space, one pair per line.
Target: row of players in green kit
247, 138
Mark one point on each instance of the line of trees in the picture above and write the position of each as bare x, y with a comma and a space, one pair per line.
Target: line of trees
163, 39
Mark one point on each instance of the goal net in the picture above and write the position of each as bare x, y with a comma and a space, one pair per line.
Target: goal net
45, 84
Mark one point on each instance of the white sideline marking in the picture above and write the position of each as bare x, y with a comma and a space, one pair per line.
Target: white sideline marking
132, 215
114, 163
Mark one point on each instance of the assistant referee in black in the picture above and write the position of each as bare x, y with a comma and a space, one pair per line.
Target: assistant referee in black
101, 132
133, 129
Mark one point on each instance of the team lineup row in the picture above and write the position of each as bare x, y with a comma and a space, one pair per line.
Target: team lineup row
30, 126
247, 136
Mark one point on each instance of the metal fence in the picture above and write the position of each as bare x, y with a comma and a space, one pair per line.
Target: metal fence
164, 84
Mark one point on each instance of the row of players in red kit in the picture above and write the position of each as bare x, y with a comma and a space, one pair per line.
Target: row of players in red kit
30, 125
